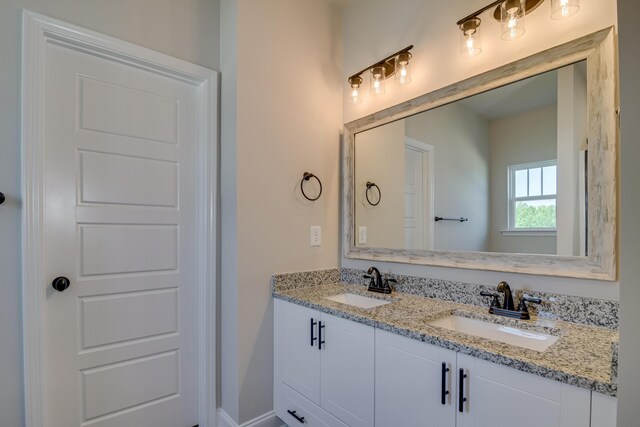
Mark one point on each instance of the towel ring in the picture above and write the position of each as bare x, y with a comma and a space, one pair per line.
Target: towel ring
366, 193
306, 177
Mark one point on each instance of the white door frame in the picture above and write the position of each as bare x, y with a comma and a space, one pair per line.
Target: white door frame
37, 31
428, 187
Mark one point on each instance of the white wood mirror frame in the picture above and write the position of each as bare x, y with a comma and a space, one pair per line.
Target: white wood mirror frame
599, 50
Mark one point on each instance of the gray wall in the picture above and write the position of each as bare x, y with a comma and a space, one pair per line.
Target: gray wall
187, 29
522, 138
380, 157
283, 108
629, 375
460, 140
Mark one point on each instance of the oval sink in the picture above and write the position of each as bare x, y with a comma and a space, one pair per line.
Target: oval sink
506, 334
357, 300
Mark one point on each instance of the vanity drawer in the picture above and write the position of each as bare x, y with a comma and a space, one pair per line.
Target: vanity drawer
290, 400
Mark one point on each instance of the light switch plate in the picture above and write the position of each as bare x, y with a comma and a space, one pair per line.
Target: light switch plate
316, 235
362, 235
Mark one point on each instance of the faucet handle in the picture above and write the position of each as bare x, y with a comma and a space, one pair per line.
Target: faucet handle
522, 307
371, 279
494, 302
387, 287
534, 300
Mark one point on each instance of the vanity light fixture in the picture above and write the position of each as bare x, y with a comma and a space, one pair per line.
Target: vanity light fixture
511, 15
397, 64
561, 9
470, 37
403, 70
355, 83
378, 74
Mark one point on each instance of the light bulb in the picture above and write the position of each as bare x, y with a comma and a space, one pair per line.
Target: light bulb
377, 80
355, 83
561, 9
355, 96
512, 17
470, 37
403, 70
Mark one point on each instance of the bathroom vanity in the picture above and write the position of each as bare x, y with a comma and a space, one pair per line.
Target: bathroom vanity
337, 364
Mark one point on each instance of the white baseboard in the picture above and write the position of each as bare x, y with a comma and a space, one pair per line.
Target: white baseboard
265, 420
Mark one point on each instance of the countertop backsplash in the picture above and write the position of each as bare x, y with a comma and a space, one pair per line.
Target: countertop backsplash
586, 311
304, 279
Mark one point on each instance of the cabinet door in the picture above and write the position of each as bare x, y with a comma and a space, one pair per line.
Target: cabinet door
297, 357
499, 396
347, 370
410, 383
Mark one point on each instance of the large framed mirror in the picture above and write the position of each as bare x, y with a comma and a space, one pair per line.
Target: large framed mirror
512, 170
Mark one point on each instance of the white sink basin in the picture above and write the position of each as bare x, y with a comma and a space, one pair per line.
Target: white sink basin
357, 300
509, 335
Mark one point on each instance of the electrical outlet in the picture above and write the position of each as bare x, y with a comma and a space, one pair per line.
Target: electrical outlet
362, 235
316, 235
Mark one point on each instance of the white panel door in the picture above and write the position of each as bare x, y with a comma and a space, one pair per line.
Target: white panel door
347, 370
414, 215
503, 397
418, 205
121, 224
414, 383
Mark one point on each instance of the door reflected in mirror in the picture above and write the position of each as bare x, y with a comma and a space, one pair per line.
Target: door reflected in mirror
502, 171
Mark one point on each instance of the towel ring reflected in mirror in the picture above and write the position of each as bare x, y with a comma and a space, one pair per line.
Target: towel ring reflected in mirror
370, 185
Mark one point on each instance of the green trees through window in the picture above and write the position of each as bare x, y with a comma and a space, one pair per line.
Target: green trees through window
533, 195
540, 216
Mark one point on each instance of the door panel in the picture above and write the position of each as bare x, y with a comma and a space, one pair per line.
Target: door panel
121, 223
111, 388
127, 180
107, 106
131, 315
113, 249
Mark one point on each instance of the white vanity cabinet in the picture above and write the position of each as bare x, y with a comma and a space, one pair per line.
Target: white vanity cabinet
415, 383
324, 369
413, 390
325, 375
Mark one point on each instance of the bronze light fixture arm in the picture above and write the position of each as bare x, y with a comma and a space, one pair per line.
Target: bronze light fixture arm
382, 62
478, 12
530, 6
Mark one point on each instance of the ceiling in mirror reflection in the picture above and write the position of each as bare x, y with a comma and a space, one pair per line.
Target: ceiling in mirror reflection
454, 161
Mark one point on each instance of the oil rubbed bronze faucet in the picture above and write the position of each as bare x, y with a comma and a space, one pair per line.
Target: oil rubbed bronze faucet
503, 288
507, 309
376, 283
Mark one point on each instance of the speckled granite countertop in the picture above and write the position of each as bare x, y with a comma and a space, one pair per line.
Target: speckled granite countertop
582, 356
